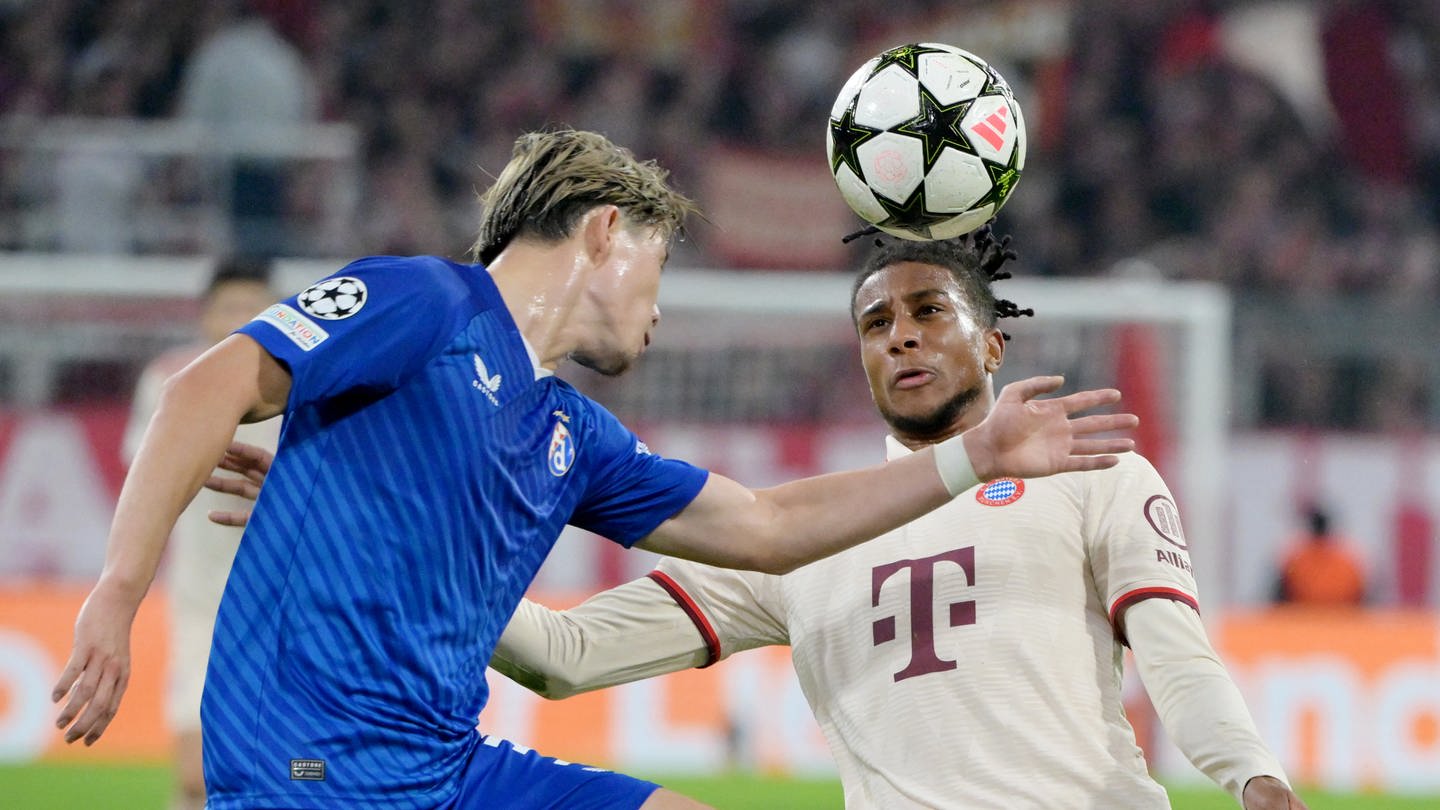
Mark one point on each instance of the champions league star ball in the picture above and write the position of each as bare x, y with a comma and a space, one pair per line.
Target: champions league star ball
926, 141
334, 299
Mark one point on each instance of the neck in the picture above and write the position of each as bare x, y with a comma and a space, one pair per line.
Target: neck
541, 286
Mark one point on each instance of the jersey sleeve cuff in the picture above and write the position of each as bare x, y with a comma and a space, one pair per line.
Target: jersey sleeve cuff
1140, 594
692, 609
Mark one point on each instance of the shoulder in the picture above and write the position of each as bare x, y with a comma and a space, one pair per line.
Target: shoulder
585, 410
1132, 466
422, 280
426, 267
1132, 472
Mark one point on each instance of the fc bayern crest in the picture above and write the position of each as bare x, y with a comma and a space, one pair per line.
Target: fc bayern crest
562, 450
1000, 492
333, 299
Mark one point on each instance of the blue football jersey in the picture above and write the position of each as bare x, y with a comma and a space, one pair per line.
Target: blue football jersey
425, 470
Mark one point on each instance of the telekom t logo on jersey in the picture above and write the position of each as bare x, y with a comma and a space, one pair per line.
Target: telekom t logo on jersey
923, 656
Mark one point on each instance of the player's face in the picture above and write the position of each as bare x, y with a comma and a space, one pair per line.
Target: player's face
625, 288
926, 355
230, 305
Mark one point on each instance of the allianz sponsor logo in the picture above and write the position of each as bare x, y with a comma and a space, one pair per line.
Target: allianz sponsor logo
485, 382
301, 331
1173, 558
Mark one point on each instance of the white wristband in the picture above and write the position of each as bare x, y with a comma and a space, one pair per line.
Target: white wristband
953, 462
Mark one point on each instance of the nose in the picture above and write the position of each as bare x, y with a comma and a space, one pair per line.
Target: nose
655, 316
904, 337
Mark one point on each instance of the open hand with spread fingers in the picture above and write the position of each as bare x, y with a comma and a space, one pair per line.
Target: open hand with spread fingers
252, 464
1026, 437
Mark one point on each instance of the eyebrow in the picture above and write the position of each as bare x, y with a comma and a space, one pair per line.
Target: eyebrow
918, 295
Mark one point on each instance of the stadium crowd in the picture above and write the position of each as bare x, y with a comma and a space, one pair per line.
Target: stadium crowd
1278, 147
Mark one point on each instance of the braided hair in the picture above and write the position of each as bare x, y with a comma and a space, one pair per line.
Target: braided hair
974, 260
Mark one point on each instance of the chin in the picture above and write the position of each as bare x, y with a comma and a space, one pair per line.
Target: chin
914, 422
612, 366
931, 418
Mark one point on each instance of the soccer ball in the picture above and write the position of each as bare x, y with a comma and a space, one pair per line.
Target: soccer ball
926, 141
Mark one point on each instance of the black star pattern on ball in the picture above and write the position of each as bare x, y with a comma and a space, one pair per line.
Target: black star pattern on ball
938, 127
911, 214
1002, 179
847, 137
906, 56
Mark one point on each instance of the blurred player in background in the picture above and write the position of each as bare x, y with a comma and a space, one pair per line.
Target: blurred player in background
991, 628
429, 462
200, 551
1321, 566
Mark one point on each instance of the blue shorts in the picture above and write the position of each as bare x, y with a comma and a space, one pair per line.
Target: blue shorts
503, 774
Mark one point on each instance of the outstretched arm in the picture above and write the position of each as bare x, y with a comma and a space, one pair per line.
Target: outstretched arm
199, 410
1200, 706
779, 529
627, 633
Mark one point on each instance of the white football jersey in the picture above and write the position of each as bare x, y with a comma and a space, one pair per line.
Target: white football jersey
968, 659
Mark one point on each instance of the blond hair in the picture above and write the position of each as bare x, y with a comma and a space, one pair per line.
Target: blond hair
553, 178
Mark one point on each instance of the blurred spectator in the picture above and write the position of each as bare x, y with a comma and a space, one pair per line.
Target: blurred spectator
246, 80
97, 185
1321, 567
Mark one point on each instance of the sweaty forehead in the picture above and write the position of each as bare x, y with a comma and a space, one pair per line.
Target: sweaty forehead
903, 280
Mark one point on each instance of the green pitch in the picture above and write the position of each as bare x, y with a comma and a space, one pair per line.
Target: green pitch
64, 787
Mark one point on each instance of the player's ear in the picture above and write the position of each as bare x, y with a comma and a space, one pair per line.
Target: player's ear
994, 350
597, 232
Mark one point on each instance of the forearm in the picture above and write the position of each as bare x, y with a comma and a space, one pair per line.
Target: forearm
1198, 703
779, 529
816, 517
628, 633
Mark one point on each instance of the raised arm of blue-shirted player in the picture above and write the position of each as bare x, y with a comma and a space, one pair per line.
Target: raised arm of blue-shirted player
628, 490
779, 529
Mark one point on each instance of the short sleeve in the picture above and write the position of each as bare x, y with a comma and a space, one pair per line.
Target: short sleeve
733, 610
1135, 540
630, 491
367, 327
